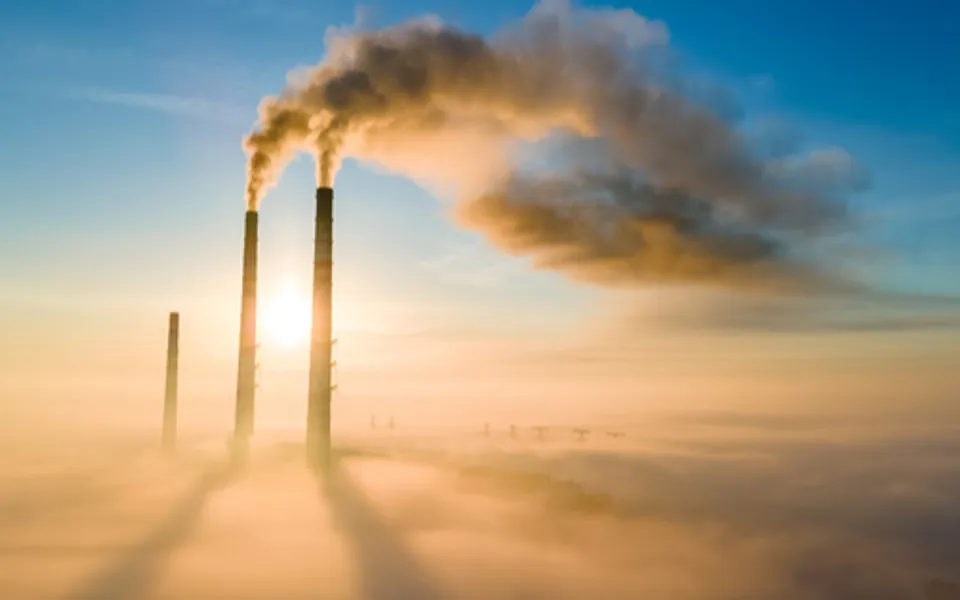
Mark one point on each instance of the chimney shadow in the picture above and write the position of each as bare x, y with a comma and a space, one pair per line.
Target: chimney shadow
133, 574
387, 569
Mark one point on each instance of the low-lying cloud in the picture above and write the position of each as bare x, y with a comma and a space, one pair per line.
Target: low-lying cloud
736, 510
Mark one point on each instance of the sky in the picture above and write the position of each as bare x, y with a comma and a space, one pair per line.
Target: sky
123, 192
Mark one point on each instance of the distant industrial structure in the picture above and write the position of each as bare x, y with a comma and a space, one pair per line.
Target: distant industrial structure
170, 391
320, 385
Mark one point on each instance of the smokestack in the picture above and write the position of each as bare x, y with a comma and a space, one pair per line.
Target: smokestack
170, 394
246, 372
318, 403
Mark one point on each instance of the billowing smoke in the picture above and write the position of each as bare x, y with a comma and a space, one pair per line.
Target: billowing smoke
674, 192
608, 229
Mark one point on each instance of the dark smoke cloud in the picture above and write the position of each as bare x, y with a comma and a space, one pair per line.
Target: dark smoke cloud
682, 195
609, 229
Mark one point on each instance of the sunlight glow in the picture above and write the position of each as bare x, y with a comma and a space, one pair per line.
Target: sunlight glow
287, 317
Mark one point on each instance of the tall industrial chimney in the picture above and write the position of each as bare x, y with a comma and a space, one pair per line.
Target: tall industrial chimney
246, 372
170, 394
318, 403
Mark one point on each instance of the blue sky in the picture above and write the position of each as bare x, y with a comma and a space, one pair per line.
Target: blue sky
123, 173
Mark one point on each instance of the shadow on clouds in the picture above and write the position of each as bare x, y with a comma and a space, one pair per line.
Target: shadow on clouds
387, 568
133, 574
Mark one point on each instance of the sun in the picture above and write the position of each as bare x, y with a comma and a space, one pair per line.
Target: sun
287, 317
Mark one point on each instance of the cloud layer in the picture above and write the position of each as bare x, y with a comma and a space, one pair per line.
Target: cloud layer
725, 506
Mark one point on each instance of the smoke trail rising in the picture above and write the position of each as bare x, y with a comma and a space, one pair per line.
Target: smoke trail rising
673, 192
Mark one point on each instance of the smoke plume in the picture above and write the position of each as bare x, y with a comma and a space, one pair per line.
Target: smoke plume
674, 192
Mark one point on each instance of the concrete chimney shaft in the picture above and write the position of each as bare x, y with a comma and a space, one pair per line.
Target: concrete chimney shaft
246, 371
318, 403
